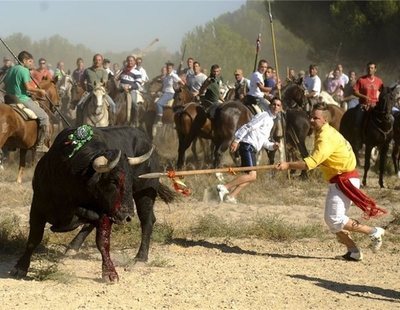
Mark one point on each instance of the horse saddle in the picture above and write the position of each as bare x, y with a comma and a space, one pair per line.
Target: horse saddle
26, 114
253, 104
170, 103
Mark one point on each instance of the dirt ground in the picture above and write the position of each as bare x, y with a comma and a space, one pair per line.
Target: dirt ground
213, 273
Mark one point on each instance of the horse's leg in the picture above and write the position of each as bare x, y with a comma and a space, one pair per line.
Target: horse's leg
22, 164
194, 150
368, 149
395, 158
181, 151
382, 161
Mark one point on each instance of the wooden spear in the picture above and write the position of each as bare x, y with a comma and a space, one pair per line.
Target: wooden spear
155, 175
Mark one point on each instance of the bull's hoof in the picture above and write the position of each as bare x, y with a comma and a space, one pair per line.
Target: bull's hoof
110, 277
18, 273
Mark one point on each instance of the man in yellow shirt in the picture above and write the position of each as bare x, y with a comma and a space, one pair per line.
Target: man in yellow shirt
334, 156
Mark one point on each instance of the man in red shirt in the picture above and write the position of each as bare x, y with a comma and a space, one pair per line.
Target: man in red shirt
41, 72
368, 87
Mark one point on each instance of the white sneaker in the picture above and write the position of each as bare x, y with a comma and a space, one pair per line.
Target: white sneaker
352, 256
222, 191
376, 239
230, 199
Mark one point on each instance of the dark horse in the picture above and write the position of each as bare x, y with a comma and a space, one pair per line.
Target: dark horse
396, 145
192, 121
377, 130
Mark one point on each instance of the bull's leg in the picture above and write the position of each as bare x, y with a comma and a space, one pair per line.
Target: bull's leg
382, 161
37, 224
144, 204
368, 149
77, 242
103, 233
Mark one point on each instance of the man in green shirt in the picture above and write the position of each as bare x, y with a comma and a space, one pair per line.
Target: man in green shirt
18, 83
211, 90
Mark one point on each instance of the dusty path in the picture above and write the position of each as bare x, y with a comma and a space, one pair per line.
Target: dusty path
216, 273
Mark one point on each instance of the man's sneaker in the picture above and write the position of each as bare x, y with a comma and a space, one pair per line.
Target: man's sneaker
352, 256
230, 199
222, 191
376, 239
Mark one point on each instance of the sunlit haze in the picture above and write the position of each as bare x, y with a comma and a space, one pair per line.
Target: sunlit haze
115, 26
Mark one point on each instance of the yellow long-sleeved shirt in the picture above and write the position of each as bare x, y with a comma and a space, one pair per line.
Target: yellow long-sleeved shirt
332, 153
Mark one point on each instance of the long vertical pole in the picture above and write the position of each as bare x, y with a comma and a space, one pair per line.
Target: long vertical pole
283, 141
274, 45
258, 44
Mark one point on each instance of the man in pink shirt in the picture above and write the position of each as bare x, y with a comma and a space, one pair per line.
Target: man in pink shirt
41, 72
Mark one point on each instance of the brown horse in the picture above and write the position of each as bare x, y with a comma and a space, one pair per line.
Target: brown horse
18, 133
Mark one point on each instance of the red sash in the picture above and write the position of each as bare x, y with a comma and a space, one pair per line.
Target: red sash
360, 199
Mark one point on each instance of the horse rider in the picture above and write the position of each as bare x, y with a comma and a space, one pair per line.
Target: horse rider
59, 73
335, 86
78, 72
334, 156
168, 90
7, 64
195, 80
250, 139
145, 77
41, 72
131, 78
257, 90
313, 85
91, 76
18, 83
210, 95
106, 66
367, 89
242, 85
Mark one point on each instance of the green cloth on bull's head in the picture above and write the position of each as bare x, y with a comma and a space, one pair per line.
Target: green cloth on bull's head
80, 137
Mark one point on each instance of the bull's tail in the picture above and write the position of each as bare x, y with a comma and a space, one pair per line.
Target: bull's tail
166, 194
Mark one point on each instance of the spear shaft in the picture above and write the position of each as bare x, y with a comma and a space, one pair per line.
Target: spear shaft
155, 175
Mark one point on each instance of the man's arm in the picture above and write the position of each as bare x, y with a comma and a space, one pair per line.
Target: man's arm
34, 90
293, 165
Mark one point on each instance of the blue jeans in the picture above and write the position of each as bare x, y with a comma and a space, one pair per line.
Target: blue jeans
41, 114
162, 102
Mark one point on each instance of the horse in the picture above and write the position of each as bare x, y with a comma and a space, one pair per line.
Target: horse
95, 111
396, 144
377, 130
18, 133
65, 86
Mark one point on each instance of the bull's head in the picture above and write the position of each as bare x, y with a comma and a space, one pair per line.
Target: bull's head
113, 183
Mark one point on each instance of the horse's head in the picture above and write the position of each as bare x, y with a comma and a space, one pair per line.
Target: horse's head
51, 90
64, 85
387, 99
294, 96
98, 94
182, 96
155, 85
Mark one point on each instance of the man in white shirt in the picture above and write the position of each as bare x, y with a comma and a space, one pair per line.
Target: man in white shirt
249, 139
255, 95
195, 80
313, 85
143, 72
168, 90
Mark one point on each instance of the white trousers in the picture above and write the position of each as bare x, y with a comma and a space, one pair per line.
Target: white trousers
336, 206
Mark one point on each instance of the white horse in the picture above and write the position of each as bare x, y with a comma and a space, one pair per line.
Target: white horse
95, 112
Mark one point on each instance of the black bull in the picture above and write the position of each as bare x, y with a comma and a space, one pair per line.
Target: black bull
95, 186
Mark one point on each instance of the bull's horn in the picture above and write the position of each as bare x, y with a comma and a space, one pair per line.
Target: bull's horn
138, 160
102, 165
